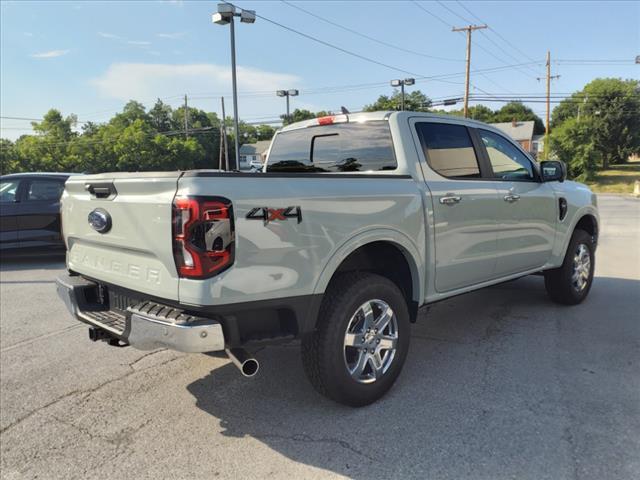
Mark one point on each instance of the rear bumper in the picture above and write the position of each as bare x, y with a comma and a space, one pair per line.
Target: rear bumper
145, 326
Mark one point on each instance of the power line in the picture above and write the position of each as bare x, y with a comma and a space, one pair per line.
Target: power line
444, 22
373, 39
330, 45
488, 38
496, 33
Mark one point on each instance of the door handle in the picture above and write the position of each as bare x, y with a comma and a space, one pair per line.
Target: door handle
450, 200
511, 198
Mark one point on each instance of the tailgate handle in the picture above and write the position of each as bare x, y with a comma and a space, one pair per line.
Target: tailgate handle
103, 191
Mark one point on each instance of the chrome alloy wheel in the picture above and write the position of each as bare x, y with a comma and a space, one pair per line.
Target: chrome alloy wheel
370, 341
581, 268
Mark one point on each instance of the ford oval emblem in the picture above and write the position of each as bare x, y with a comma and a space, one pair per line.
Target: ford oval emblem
100, 220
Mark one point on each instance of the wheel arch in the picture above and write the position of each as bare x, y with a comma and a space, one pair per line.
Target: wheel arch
586, 219
588, 223
385, 252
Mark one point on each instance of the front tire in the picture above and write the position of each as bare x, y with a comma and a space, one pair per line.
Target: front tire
570, 284
361, 340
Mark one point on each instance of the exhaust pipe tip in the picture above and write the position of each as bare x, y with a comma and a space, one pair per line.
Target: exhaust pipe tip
246, 363
250, 367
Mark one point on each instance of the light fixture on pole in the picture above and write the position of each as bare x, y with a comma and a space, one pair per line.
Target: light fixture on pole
224, 16
287, 94
401, 84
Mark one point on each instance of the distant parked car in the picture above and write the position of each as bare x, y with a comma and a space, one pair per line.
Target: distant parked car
30, 211
255, 166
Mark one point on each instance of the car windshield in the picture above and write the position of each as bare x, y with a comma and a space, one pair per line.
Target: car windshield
8, 191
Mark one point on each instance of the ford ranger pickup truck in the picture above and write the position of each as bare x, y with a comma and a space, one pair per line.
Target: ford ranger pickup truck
356, 222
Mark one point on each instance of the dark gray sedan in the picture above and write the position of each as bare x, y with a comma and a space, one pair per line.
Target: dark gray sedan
30, 211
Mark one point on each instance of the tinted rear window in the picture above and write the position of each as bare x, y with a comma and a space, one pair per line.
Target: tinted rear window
344, 147
449, 150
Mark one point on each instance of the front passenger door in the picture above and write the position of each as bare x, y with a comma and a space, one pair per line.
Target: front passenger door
526, 213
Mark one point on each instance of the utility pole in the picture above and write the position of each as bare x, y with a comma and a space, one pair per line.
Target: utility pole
186, 119
547, 126
468, 29
223, 140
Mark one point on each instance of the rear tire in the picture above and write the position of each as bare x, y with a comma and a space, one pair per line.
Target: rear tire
570, 284
361, 339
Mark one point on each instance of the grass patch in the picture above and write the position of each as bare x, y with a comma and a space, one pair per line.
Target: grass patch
618, 179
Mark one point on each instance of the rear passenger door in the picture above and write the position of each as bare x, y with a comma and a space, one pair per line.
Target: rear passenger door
464, 204
39, 220
526, 212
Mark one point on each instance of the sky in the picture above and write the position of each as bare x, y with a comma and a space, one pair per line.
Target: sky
90, 58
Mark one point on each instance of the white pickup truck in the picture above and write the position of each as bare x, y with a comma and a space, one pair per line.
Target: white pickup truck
356, 222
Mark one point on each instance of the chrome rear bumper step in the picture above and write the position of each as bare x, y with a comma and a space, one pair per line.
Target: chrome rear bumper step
146, 325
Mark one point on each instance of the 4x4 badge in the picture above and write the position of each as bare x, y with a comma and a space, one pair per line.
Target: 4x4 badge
270, 214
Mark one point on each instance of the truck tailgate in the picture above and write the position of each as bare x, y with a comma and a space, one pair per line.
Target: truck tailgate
136, 251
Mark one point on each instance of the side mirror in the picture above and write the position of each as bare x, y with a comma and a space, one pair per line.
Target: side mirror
553, 171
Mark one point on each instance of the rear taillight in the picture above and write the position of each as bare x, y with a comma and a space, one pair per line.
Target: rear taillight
203, 236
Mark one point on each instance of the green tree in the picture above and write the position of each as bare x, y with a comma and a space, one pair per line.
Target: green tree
481, 113
414, 101
519, 112
611, 107
298, 115
573, 142
265, 132
160, 115
9, 159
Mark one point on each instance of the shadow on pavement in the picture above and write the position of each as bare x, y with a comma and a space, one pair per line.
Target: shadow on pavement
499, 383
17, 262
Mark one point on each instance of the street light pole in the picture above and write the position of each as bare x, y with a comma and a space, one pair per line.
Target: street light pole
224, 16
236, 130
288, 111
287, 94
401, 84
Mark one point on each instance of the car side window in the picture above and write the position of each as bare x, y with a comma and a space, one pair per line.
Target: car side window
449, 149
9, 190
507, 161
44, 190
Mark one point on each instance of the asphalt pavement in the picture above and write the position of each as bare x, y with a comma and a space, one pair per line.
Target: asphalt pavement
500, 383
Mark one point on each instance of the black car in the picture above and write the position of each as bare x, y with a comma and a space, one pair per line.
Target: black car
30, 211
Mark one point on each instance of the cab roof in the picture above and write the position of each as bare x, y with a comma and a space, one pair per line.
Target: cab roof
379, 115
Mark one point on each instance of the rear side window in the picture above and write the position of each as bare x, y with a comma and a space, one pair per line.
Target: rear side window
449, 150
44, 190
343, 147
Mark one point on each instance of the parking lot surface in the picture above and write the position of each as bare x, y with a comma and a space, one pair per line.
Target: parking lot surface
500, 383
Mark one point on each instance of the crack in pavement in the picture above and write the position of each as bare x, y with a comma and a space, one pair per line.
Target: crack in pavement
304, 438
42, 337
88, 392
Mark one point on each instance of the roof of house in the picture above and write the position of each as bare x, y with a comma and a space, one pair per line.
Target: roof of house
257, 148
517, 130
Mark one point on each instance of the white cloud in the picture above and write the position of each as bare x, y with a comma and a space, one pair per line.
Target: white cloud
49, 54
27, 34
172, 36
135, 43
147, 81
110, 35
